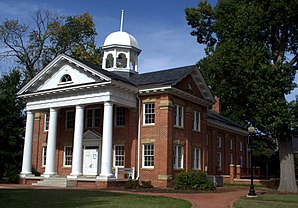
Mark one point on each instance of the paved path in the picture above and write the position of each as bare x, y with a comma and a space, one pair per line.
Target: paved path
222, 199
211, 200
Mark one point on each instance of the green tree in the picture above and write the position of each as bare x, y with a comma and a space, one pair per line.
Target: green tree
11, 124
51, 35
248, 45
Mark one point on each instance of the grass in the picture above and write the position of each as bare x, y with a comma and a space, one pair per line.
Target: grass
82, 199
268, 200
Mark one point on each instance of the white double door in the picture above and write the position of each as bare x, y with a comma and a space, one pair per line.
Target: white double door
92, 160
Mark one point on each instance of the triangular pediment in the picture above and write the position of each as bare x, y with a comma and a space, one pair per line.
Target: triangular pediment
91, 135
63, 72
195, 84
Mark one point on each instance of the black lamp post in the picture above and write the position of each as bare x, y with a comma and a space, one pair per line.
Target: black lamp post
251, 131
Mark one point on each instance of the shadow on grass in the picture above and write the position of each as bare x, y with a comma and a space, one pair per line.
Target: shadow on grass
49, 198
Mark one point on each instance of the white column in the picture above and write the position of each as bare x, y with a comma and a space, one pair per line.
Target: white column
106, 159
78, 143
27, 154
51, 145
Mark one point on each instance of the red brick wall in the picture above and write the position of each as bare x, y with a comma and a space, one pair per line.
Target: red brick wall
163, 134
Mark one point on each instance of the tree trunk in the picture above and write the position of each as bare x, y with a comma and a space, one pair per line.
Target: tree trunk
287, 166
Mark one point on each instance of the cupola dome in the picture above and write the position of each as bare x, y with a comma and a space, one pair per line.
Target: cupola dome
120, 38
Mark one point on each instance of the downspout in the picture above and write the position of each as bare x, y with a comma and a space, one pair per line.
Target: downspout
139, 137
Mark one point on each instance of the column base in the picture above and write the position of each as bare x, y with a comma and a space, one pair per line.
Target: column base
24, 175
50, 175
109, 177
74, 176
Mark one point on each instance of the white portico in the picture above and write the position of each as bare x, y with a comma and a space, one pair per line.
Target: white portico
65, 83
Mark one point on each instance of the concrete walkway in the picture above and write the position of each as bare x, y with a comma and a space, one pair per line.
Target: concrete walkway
221, 199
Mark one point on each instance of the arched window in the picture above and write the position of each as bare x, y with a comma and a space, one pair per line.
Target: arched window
121, 61
109, 61
66, 78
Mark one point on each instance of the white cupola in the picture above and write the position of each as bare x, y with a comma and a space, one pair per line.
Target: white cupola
120, 51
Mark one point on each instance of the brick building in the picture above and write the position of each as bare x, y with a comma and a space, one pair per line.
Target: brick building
85, 122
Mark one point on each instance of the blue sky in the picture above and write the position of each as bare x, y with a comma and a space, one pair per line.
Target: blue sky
158, 25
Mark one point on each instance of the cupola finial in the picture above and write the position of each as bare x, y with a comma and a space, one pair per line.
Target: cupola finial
121, 22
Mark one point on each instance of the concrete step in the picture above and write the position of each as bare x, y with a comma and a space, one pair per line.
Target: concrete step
55, 182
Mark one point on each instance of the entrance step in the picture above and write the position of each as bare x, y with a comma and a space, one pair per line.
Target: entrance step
55, 182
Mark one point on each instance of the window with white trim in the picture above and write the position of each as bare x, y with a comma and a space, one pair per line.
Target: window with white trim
149, 113
178, 157
44, 156
178, 116
120, 116
92, 117
67, 158
231, 159
240, 146
231, 144
219, 161
118, 155
219, 142
70, 119
196, 153
46, 121
196, 124
148, 156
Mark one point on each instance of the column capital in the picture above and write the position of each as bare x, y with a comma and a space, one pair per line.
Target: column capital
108, 103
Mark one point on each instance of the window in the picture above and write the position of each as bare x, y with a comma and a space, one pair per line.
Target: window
93, 116
67, 160
178, 157
178, 115
46, 121
241, 161
119, 155
121, 61
44, 156
120, 116
219, 161
149, 113
196, 126
219, 142
70, 119
196, 159
240, 146
231, 144
66, 78
148, 155
109, 61
231, 160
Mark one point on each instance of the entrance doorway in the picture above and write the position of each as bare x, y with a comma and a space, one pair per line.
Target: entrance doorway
90, 160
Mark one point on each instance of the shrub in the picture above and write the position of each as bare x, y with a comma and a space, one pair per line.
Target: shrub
131, 184
193, 180
146, 184
13, 175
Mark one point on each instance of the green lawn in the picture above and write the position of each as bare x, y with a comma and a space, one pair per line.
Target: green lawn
82, 199
268, 200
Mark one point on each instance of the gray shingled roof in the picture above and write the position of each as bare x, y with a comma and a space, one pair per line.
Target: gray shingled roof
163, 77
219, 118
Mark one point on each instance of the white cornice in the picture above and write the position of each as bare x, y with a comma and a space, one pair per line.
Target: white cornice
66, 89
